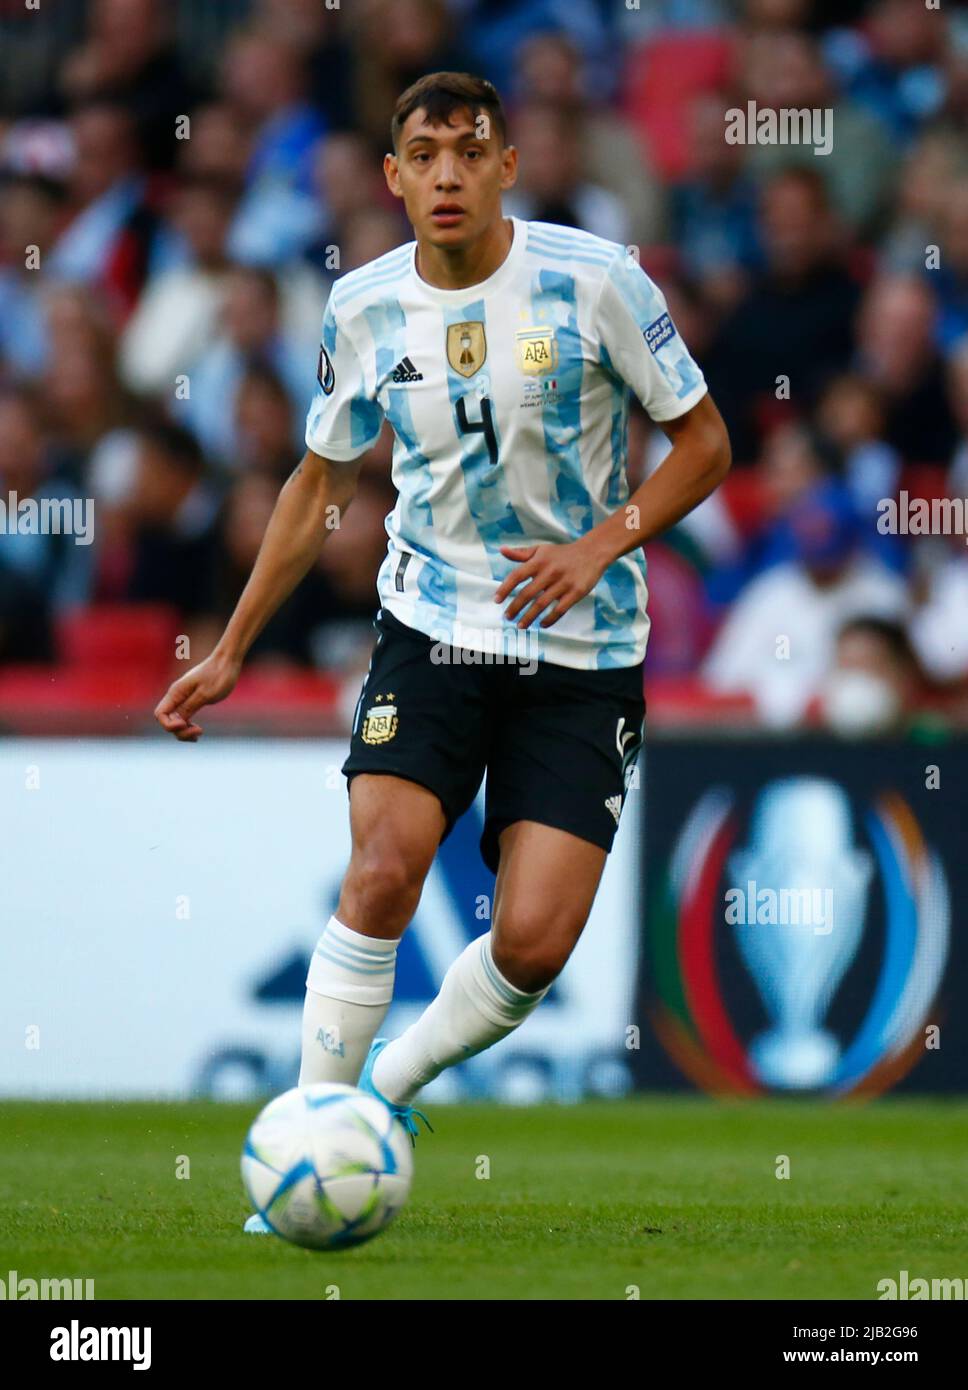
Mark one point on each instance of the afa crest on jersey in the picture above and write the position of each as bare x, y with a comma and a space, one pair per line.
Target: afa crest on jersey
466, 347
537, 350
380, 723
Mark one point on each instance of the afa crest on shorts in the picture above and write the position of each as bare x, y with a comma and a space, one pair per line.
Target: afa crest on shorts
380, 721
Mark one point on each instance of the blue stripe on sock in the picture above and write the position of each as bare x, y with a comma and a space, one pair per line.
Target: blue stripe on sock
338, 944
357, 967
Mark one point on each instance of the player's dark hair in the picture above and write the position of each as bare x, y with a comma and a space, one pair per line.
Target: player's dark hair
440, 94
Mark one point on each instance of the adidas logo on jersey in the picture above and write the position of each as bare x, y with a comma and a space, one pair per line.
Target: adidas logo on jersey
614, 804
405, 371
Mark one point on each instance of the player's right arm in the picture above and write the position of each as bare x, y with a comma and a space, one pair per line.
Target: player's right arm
344, 421
309, 505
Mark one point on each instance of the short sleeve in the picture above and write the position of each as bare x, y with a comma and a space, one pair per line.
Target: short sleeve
640, 344
343, 420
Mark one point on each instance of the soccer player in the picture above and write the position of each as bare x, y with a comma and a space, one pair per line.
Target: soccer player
512, 622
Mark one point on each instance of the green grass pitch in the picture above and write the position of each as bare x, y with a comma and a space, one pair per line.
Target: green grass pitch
678, 1197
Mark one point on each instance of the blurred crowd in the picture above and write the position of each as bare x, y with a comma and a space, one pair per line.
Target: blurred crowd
176, 203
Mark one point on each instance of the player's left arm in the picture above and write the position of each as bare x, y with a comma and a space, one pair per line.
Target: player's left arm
640, 347
562, 574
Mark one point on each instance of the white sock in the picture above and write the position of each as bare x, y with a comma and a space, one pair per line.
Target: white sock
476, 1006
348, 991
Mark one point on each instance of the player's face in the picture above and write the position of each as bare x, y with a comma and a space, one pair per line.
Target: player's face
450, 177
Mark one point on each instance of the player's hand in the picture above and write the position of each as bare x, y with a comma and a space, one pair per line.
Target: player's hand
558, 574
205, 684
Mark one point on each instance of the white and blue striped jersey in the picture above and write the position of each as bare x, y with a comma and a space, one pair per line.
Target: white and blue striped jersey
509, 405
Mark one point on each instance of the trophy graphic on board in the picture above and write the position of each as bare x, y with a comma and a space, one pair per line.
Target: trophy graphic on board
809, 884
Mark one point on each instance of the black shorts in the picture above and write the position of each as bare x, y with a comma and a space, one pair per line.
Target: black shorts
558, 744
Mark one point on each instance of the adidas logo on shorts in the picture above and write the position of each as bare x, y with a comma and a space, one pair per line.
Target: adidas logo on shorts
405, 371
614, 804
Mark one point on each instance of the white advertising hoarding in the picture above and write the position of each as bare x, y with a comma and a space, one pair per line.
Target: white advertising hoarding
159, 903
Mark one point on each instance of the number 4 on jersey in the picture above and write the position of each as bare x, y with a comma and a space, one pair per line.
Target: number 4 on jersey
483, 426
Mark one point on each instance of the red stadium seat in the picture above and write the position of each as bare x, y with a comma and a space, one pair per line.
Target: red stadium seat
683, 702
111, 637
120, 699
662, 78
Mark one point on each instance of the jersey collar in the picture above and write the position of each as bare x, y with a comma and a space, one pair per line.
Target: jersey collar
494, 281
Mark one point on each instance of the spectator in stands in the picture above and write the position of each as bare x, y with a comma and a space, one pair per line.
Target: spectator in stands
394, 42
794, 461
349, 181
172, 512
551, 69
928, 171
25, 626
551, 186
263, 419
177, 316
350, 559
83, 398
680, 621
50, 570
264, 81
781, 15
494, 30
949, 279
939, 624
957, 383
30, 209
896, 350
874, 683
892, 66
129, 59
285, 638
795, 321
313, 29
329, 619
108, 240
779, 638
851, 414
369, 233
220, 146
784, 69
953, 118
939, 627
251, 332
715, 209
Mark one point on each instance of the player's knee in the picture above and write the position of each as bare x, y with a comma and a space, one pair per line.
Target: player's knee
528, 962
381, 888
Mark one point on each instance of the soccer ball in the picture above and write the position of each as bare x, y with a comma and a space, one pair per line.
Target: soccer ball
327, 1166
